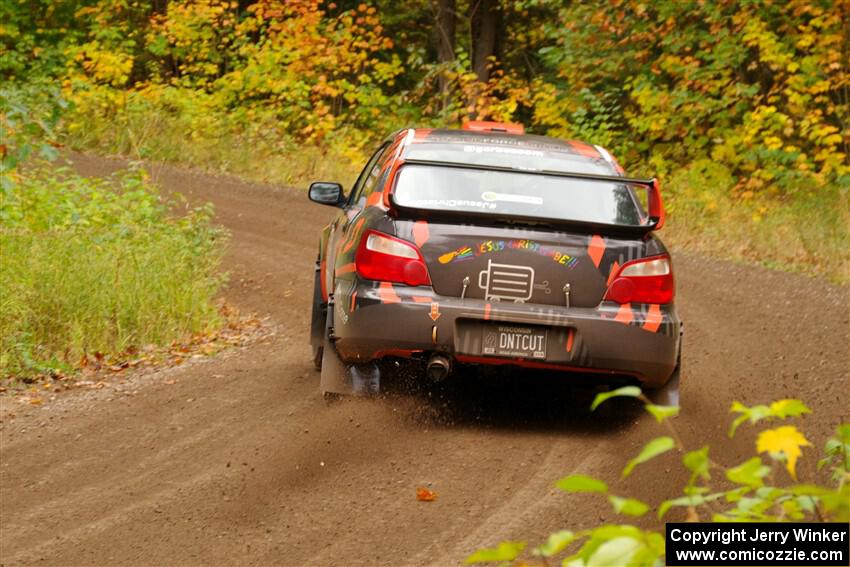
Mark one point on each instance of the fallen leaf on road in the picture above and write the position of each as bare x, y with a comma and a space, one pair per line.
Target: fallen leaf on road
425, 495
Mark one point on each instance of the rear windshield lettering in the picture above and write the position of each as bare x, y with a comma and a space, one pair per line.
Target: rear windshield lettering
453, 203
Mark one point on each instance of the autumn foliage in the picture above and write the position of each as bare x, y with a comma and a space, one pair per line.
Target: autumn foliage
759, 86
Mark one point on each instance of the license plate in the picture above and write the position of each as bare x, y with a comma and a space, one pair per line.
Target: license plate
513, 341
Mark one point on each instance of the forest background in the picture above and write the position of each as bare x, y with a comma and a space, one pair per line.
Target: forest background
740, 107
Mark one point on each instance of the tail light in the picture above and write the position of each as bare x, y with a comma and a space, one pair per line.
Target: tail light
384, 258
649, 280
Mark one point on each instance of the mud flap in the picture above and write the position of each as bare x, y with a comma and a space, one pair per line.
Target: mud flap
318, 323
668, 394
341, 378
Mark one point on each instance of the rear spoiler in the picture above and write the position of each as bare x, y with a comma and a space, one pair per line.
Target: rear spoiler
656, 206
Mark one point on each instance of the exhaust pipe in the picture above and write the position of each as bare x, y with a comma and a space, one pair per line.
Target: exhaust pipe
438, 368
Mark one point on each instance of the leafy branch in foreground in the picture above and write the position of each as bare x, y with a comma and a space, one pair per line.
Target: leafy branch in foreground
749, 491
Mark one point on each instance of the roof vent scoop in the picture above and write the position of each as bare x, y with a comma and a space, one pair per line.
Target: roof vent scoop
485, 126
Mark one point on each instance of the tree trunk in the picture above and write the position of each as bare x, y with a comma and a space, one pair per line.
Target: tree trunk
484, 18
445, 19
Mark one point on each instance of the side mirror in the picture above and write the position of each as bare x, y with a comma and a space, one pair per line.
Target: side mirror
326, 193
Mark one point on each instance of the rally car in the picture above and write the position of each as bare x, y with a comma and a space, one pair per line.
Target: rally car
487, 246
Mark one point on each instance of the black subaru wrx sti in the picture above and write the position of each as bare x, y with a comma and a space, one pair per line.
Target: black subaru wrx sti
486, 246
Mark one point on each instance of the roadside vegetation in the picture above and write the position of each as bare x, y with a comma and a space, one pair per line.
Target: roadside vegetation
763, 488
740, 108
93, 268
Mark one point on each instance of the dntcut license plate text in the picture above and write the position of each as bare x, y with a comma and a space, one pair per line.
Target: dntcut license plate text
514, 341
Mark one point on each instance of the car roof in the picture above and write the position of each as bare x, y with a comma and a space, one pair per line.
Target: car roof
520, 151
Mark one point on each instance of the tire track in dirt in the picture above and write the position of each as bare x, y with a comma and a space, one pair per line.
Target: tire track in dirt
240, 462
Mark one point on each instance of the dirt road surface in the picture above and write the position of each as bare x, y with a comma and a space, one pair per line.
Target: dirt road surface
237, 460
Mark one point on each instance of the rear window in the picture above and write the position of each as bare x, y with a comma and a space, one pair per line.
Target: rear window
517, 194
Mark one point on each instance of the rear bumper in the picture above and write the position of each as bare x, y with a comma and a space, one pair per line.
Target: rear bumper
373, 321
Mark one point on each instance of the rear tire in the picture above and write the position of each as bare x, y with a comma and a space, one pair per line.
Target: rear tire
318, 320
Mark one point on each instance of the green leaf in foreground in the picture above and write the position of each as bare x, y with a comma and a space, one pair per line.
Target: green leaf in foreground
505, 551
581, 483
656, 447
625, 391
616, 552
788, 408
596, 539
628, 506
556, 543
692, 500
749, 473
660, 413
697, 462
781, 409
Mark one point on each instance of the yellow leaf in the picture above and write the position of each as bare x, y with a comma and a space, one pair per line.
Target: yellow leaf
787, 440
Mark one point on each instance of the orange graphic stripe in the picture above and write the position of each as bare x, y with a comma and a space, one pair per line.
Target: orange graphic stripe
571, 335
615, 267
376, 199
653, 318
584, 149
421, 233
625, 315
421, 133
596, 249
346, 269
353, 236
388, 294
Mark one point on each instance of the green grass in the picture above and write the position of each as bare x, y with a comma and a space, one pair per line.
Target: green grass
804, 232
252, 147
99, 266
